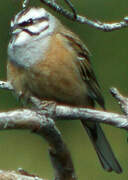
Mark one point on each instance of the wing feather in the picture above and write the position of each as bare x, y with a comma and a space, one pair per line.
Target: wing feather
85, 67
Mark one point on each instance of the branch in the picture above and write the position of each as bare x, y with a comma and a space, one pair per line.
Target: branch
44, 126
40, 120
68, 2
25, 3
12, 175
123, 101
58, 111
107, 27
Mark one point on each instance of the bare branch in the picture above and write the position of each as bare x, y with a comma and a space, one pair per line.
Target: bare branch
25, 3
12, 175
119, 121
57, 111
28, 119
45, 126
40, 121
123, 101
107, 27
72, 8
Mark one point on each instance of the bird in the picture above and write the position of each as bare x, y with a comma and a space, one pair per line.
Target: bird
50, 62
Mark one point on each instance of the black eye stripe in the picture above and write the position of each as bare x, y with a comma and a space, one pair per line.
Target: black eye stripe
26, 23
30, 33
35, 33
33, 21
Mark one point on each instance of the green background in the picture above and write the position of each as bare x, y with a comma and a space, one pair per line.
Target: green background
110, 62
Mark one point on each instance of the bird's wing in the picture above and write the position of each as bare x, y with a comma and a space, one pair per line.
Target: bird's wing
85, 66
97, 137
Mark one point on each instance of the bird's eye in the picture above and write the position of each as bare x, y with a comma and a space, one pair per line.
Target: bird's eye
30, 21
26, 23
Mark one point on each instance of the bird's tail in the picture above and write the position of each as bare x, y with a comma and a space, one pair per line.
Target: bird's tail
102, 147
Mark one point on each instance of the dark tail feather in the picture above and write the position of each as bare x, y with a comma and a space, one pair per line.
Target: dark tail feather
102, 147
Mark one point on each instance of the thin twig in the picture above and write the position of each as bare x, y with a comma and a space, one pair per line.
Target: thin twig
72, 8
107, 27
25, 3
123, 101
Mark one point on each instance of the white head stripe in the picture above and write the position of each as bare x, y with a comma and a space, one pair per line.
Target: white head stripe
36, 28
33, 14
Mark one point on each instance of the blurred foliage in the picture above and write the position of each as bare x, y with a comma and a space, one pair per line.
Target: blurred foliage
110, 62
